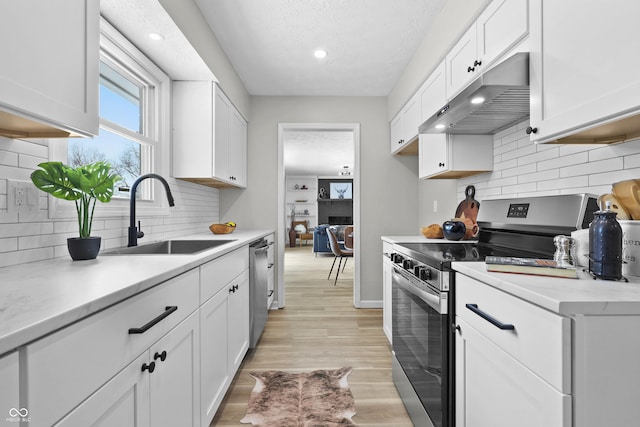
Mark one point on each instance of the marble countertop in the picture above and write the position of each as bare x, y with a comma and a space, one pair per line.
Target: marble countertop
41, 297
563, 296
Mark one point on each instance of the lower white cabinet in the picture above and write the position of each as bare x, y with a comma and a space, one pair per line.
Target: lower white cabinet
454, 156
9, 386
224, 326
159, 388
387, 294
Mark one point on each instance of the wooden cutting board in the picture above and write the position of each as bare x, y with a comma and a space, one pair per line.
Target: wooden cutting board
468, 208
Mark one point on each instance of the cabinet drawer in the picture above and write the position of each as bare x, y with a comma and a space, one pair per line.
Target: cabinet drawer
540, 340
216, 274
69, 365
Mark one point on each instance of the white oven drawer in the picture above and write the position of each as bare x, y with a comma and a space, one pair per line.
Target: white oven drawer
540, 340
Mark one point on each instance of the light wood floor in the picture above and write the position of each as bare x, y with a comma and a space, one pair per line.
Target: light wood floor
320, 329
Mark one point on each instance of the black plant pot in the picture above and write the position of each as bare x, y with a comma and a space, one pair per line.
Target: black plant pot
82, 249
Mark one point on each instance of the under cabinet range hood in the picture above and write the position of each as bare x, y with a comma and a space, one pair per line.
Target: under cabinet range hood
494, 101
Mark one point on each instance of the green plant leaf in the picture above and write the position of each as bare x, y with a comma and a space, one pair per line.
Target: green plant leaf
54, 179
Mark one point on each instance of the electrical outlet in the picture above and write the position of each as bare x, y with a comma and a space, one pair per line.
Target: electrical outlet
435, 206
22, 197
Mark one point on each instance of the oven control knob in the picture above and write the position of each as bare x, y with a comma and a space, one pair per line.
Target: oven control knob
396, 258
424, 273
407, 264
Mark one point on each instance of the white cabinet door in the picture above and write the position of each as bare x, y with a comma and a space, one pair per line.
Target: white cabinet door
174, 390
238, 149
454, 156
9, 386
500, 27
214, 365
238, 310
221, 132
122, 402
49, 69
585, 75
387, 272
494, 390
395, 128
462, 62
411, 119
433, 93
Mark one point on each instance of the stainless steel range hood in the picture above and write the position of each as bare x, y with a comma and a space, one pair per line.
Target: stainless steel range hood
494, 101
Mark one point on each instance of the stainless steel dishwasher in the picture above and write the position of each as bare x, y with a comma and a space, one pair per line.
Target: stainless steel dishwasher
258, 292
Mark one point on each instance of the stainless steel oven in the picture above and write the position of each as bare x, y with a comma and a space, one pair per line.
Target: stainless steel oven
423, 292
422, 340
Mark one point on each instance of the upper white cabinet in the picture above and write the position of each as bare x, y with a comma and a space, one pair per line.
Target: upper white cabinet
49, 73
404, 127
502, 24
450, 156
209, 136
433, 93
585, 74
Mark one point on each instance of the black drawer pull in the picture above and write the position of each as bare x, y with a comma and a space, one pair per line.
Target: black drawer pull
150, 367
488, 318
162, 356
167, 311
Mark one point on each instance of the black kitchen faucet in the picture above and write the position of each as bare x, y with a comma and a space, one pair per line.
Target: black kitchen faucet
134, 232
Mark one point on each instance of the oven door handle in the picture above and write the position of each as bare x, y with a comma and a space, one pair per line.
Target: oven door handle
431, 298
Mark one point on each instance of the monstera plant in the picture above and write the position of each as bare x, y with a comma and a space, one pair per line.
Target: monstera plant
84, 185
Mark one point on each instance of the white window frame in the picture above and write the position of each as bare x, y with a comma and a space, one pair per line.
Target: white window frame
116, 49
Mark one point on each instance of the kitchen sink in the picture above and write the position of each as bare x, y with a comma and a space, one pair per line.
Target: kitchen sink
169, 247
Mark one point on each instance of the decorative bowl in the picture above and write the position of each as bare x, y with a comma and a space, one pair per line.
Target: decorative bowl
221, 228
453, 230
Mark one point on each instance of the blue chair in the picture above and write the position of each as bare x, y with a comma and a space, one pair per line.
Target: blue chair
338, 252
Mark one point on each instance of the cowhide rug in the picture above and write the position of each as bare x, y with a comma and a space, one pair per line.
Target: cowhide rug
315, 399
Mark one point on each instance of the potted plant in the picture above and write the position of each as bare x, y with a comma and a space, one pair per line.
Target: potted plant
84, 185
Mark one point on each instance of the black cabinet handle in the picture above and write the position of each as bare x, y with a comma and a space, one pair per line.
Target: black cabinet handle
162, 356
470, 69
489, 318
441, 164
531, 130
477, 63
150, 367
233, 289
167, 311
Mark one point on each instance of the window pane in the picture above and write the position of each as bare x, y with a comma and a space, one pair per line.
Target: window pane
123, 154
120, 99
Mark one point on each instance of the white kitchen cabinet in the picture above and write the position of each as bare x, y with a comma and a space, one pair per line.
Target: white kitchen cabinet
433, 93
387, 295
449, 156
68, 366
209, 136
507, 377
164, 393
584, 76
49, 73
500, 27
224, 324
404, 128
10, 385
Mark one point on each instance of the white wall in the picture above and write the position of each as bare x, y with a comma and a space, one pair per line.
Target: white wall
525, 169
388, 184
25, 240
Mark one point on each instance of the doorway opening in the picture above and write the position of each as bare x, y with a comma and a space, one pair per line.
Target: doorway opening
314, 141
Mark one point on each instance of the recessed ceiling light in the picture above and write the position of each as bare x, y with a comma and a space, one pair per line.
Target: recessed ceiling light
477, 100
440, 126
156, 36
320, 53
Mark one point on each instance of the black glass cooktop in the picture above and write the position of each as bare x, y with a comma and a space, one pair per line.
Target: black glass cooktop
441, 255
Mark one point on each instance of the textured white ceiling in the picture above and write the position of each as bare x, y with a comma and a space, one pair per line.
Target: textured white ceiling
320, 153
271, 42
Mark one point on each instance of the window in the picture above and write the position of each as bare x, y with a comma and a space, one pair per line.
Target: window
134, 126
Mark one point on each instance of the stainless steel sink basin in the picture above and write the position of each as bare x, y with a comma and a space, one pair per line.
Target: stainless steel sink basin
169, 247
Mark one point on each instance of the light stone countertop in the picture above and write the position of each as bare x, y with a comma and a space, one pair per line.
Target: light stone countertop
563, 296
41, 297
420, 239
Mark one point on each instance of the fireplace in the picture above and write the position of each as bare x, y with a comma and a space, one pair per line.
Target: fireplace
340, 220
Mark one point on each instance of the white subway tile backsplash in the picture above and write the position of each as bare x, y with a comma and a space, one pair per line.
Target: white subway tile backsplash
34, 237
548, 169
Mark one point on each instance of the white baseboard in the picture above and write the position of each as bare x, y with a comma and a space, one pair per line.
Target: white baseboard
370, 304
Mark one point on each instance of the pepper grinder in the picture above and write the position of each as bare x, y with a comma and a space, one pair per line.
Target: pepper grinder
565, 248
605, 245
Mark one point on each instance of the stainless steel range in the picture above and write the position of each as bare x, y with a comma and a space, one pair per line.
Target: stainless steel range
423, 290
